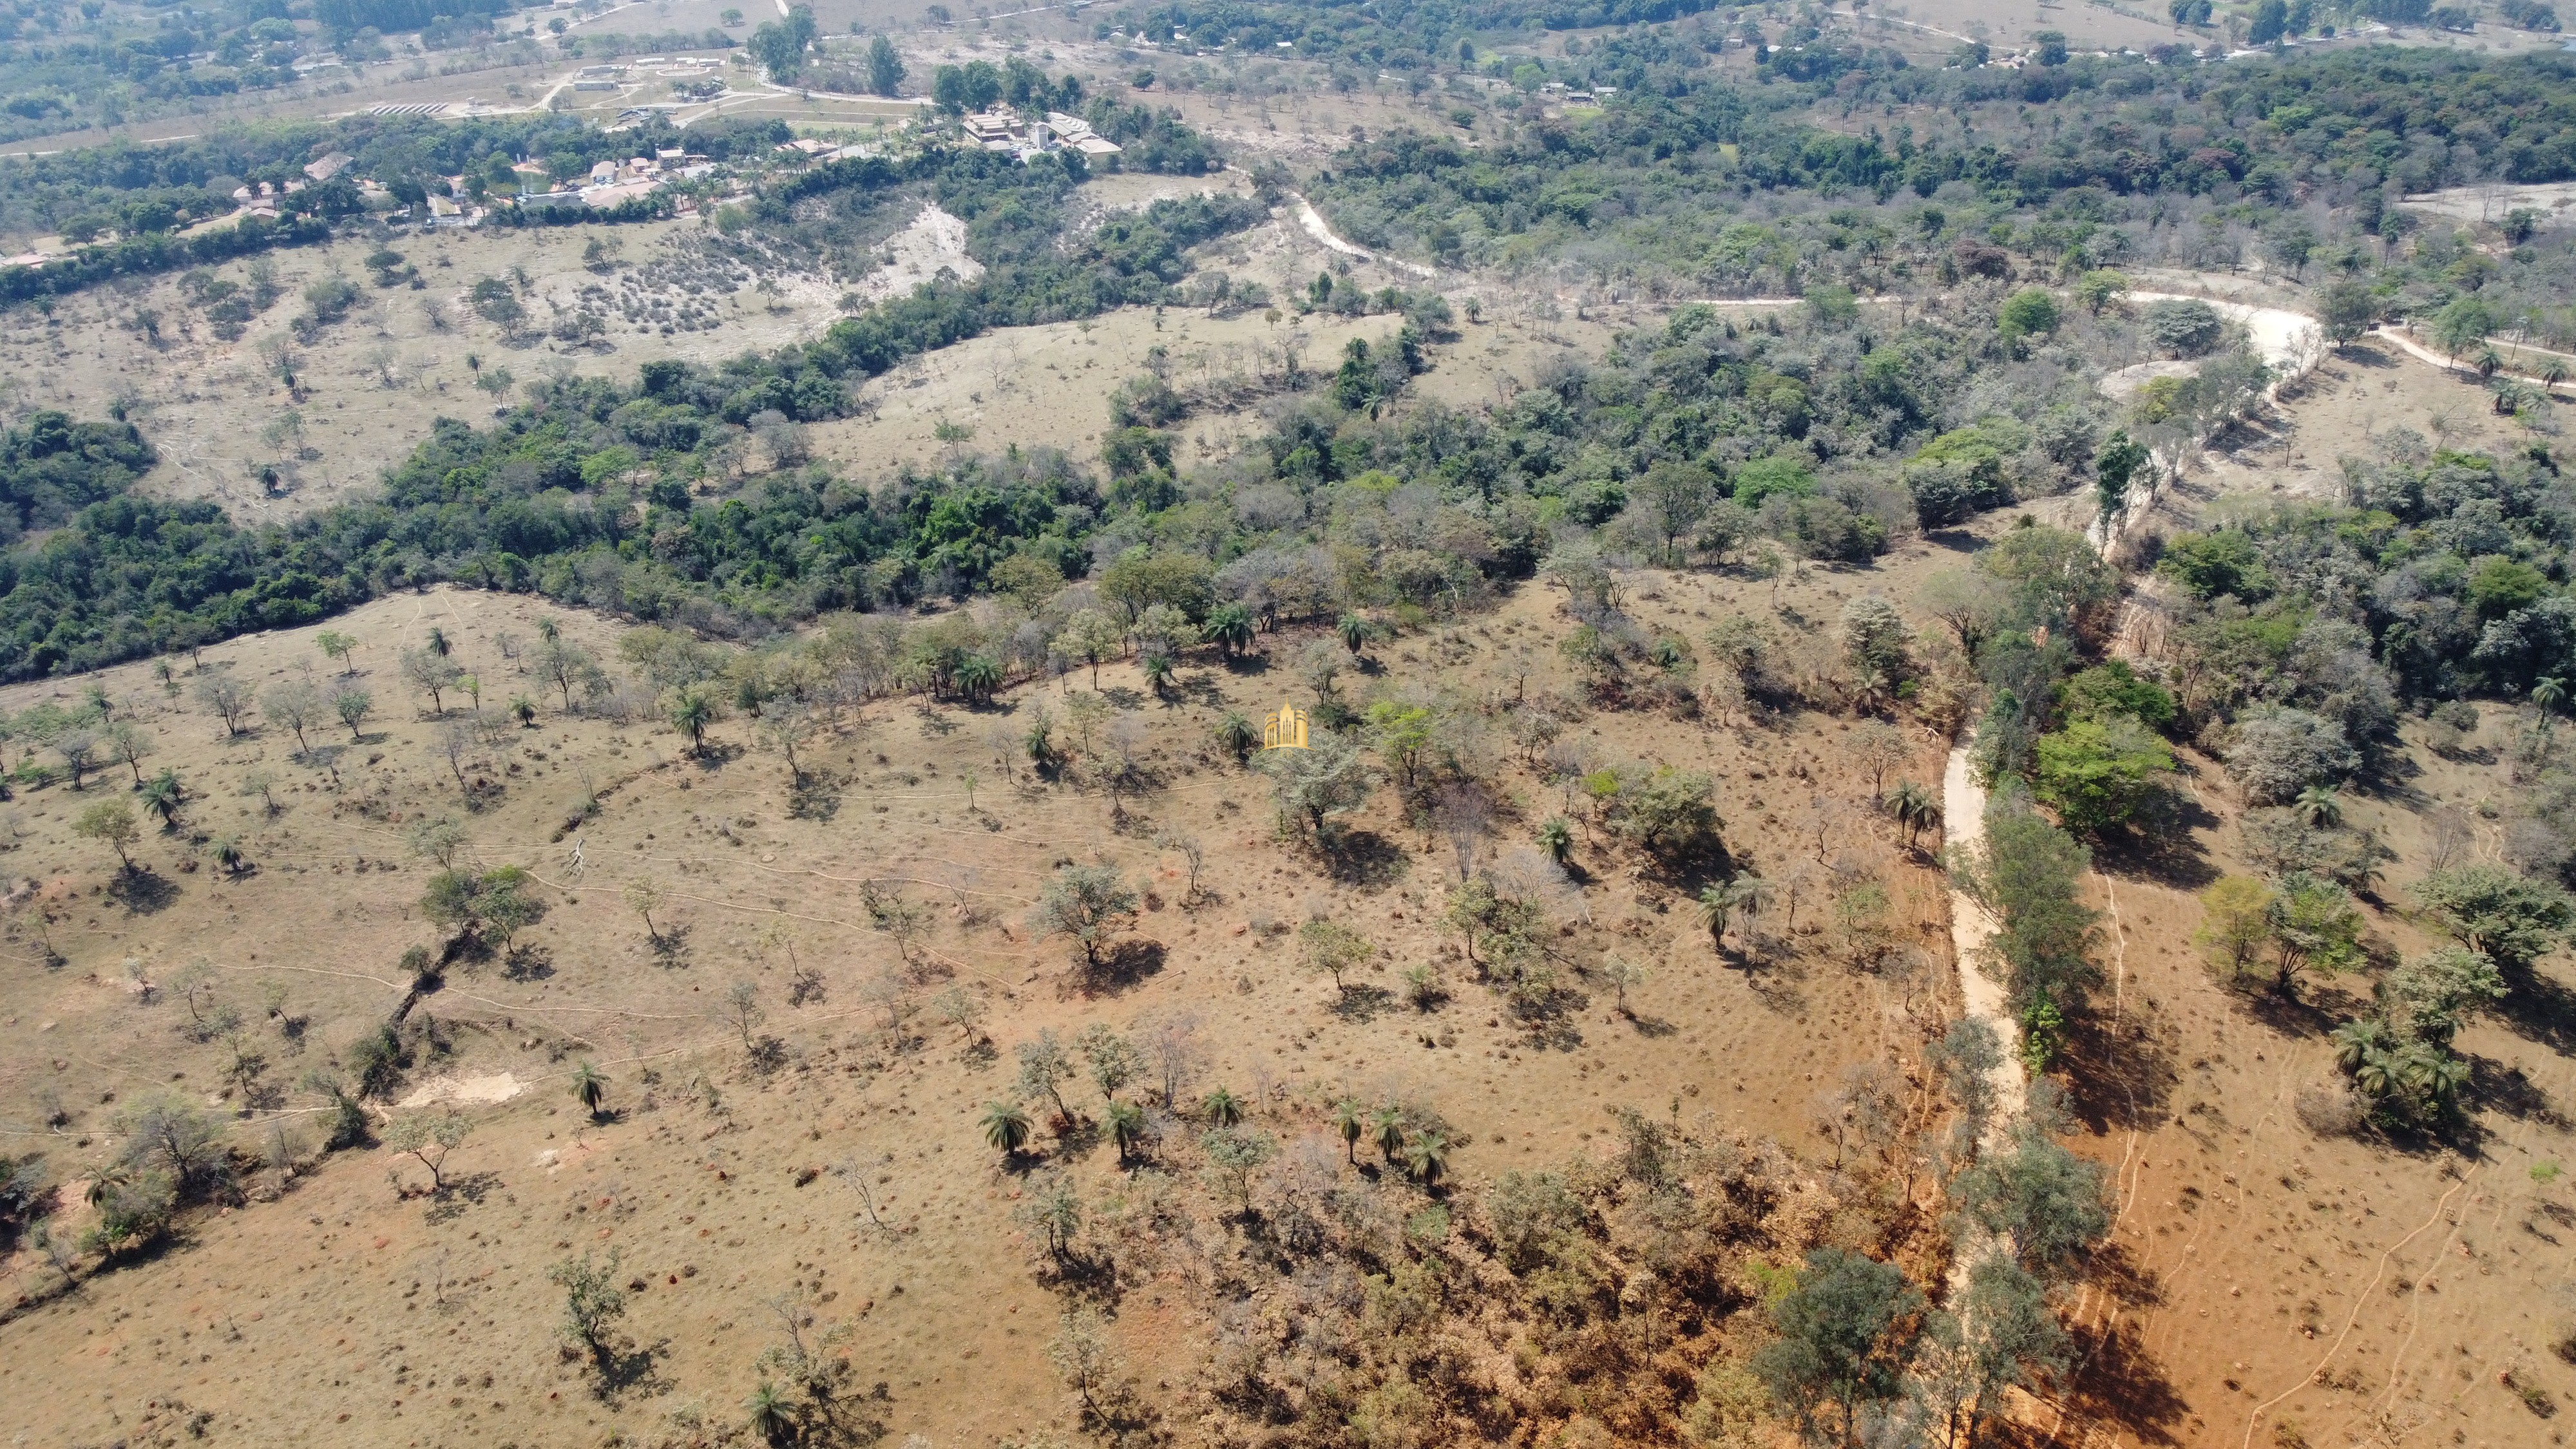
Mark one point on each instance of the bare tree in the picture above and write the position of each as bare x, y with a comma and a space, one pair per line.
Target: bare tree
296, 704
456, 744
1173, 1050
1193, 854
1466, 816
228, 697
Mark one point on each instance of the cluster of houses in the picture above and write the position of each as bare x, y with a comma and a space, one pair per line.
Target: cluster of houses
1002, 129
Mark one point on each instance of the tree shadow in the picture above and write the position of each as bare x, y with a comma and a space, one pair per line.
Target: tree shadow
670, 945
462, 1193
2497, 1087
1121, 966
817, 797
1366, 859
143, 891
527, 962
1124, 696
2538, 1008
2165, 849
1655, 1027
2293, 1016
1360, 1001
620, 1369
2111, 1268
2129, 1076
714, 755
2118, 1382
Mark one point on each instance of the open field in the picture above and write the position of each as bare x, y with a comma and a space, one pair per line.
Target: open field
369, 385
699, 1180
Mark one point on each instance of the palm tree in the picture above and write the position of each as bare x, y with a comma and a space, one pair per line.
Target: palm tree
1158, 673
2552, 373
2321, 806
1229, 628
977, 676
1426, 1157
693, 711
589, 1088
1238, 734
1352, 630
1350, 1119
1221, 1108
1916, 810
1871, 688
2548, 695
1716, 903
524, 710
438, 643
1386, 1128
771, 1416
2487, 362
1720, 903
1126, 1128
1006, 1127
1556, 837
163, 793
104, 1185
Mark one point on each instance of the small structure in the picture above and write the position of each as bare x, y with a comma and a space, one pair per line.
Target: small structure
329, 166
995, 130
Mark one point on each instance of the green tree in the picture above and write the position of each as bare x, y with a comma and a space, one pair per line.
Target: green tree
2030, 312
2462, 324
2510, 919
1330, 948
2043, 1200
780, 45
2347, 309
885, 68
337, 647
2030, 874
2117, 462
1846, 1335
2235, 924
1090, 636
1999, 1334
2314, 928
2097, 775
429, 1139
1090, 903
593, 1302
1401, 733
353, 706
1314, 786
2099, 288
1045, 1067
111, 823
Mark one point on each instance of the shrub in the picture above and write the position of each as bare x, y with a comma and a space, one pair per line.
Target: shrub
2279, 751
2186, 328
